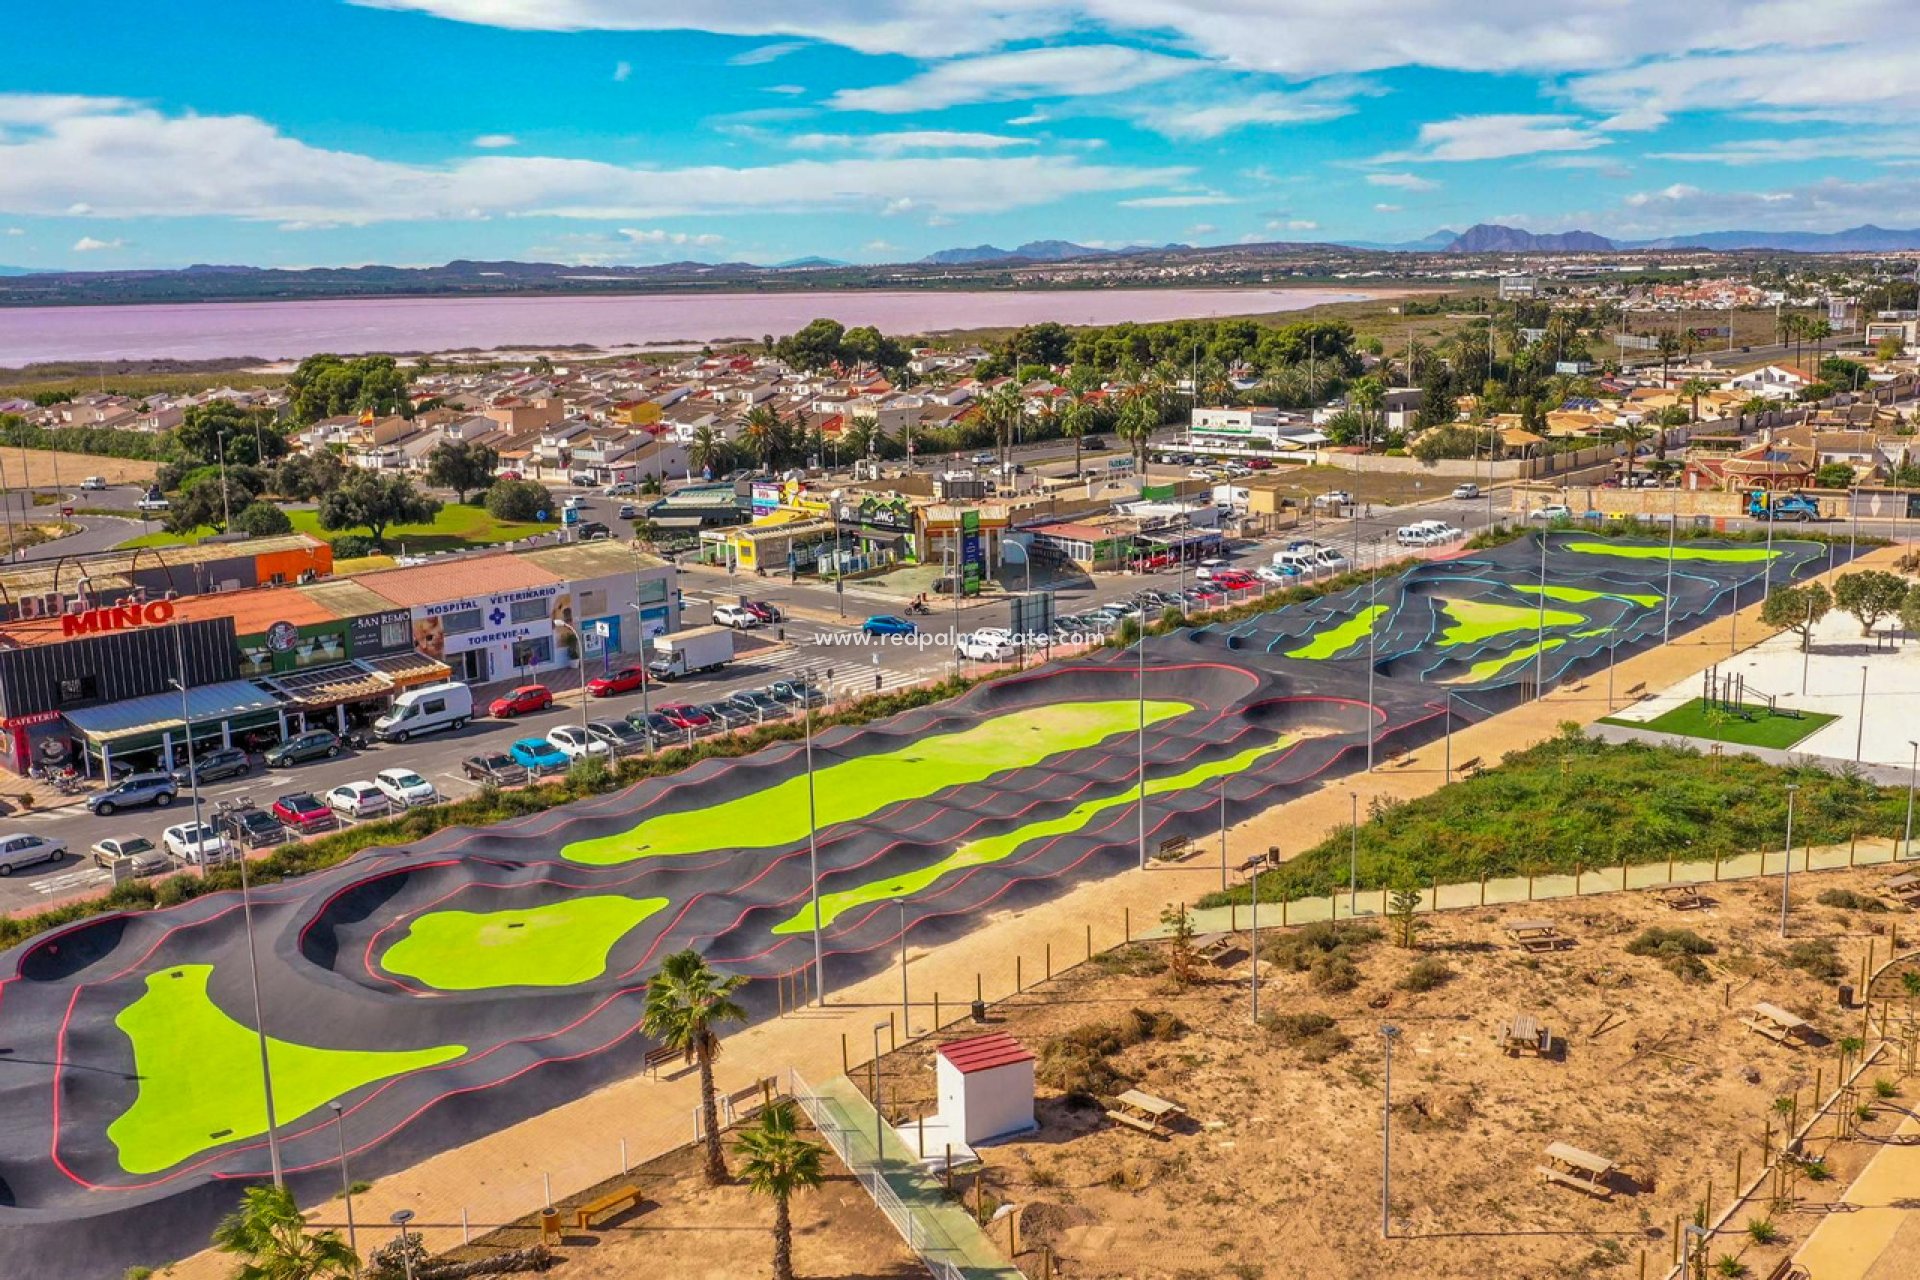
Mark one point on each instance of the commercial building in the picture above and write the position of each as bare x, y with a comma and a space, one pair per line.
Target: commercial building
105, 686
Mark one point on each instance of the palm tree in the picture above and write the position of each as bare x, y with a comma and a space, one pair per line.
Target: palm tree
1367, 396
763, 432
268, 1232
999, 410
1632, 435
1668, 345
1693, 389
707, 453
1075, 421
1136, 424
776, 1162
686, 1004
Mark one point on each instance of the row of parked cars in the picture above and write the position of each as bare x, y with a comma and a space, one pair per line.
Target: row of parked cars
1428, 533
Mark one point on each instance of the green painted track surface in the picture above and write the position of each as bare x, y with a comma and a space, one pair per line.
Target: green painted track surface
864, 785
199, 1074
556, 945
1580, 595
1720, 555
1476, 620
1330, 642
1492, 667
980, 853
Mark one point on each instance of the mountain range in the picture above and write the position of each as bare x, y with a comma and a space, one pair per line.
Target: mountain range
1033, 251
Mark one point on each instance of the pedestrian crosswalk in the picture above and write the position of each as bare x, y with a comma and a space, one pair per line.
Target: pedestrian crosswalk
847, 672
74, 881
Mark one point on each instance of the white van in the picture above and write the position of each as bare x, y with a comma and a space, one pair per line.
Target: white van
423, 710
1303, 561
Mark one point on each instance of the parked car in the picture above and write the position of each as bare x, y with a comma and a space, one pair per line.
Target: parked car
725, 716
576, 743
1333, 498
683, 716
798, 691
1465, 492
135, 791
575, 501
303, 811
887, 624
619, 489
1276, 574
147, 856
621, 737
524, 700
761, 706
509, 475
23, 849
211, 766
314, 744
496, 767
538, 756
249, 826
737, 616
987, 645
657, 726
628, 511
1551, 512
153, 503
404, 788
196, 843
767, 613
624, 680
983, 459
357, 800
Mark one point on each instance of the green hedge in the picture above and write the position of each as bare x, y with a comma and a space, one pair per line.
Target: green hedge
484, 808
1575, 801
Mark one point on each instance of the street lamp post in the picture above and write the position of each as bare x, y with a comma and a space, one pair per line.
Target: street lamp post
1913, 774
1273, 852
1786, 875
346, 1187
906, 1006
1860, 731
1223, 833
879, 1116
580, 652
400, 1218
1540, 639
813, 861
1373, 583
1673, 532
1448, 775
1140, 803
1388, 1034
1353, 857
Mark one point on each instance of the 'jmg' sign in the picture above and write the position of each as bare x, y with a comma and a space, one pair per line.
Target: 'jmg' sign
120, 617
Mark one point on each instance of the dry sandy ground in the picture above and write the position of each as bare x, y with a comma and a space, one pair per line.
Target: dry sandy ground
1277, 1174
40, 465
691, 1231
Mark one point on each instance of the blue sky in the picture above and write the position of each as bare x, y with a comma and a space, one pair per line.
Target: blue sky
329, 132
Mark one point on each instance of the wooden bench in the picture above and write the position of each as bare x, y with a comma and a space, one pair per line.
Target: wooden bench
1468, 766
1144, 1112
1525, 1033
1682, 897
1174, 848
1537, 935
1905, 887
743, 1104
584, 1215
1787, 1269
1636, 691
1214, 947
1144, 1125
1569, 1166
654, 1059
1775, 1023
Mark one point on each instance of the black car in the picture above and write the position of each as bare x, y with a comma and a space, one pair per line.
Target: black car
314, 744
249, 826
211, 766
662, 729
762, 706
496, 767
622, 737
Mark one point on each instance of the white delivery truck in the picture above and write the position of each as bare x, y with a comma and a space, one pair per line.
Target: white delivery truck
683, 653
424, 710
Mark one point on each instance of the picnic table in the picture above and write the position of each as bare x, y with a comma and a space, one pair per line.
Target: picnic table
1682, 897
1569, 1166
1525, 1032
1775, 1023
1537, 935
1144, 1112
1905, 886
1213, 947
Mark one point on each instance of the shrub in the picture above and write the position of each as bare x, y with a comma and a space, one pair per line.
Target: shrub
589, 776
1334, 973
1426, 974
262, 520
1762, 1230
1728, 1265
1815, 957
1885, 1088
1315, 1035
352, 546
1076, 1061
518, 500
1136, 961
1297, 951
1679, 950
1848, 900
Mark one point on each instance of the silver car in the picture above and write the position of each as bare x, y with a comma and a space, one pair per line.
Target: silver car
23, 849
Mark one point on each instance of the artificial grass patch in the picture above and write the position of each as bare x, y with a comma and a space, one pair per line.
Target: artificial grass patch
1476, 620
559, 944
1631, 551
1331, 641
1580, 595
1693, 720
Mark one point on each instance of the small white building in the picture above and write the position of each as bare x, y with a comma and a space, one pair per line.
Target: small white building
986, 1087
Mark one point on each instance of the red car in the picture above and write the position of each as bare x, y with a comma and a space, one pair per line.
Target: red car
518, 702
625, 680
509, 475
1234, 581
682, 716
303, 811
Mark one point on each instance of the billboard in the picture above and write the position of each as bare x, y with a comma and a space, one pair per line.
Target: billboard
970, 554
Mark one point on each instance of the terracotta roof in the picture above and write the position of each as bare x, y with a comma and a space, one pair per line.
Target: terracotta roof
984, 1053
456, 579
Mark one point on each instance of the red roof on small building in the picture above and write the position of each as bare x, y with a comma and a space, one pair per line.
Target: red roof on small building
984, 1053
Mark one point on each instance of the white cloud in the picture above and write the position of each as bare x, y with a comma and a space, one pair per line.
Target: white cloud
140, 163
1293, 224
888, 144
790, 90
636, 235
1387, 208
879, 246
1177, 202
622, 71
1314, 104
1072, 71
495, 141
1496, 137
1199, 229
1402, 181
1868, 81
16, 231
1032, 117
765, 53
87, 244
1831, 204
1884, 148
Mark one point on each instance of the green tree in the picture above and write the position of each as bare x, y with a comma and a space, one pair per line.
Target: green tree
329, 386
263, 520
270, 1237
1403, 913
707, 453
815, 347
687, 1003
1910, 613
998, 411
1632, 435
1693, 389
250, 435
1446, 442
1182, 961
374, 500
206, 497
865, 344
462, 466
1136, 425
1797, 609
1833, 475
519, 500
307, 476
776, 1161
1076, 421
764, 434
1870, 595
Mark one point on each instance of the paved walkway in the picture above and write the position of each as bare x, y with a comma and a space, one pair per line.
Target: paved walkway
1855, 1244
498, 1178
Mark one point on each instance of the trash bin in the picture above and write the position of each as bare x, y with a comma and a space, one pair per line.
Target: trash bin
979, 1010
549, 1225
1846, 995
